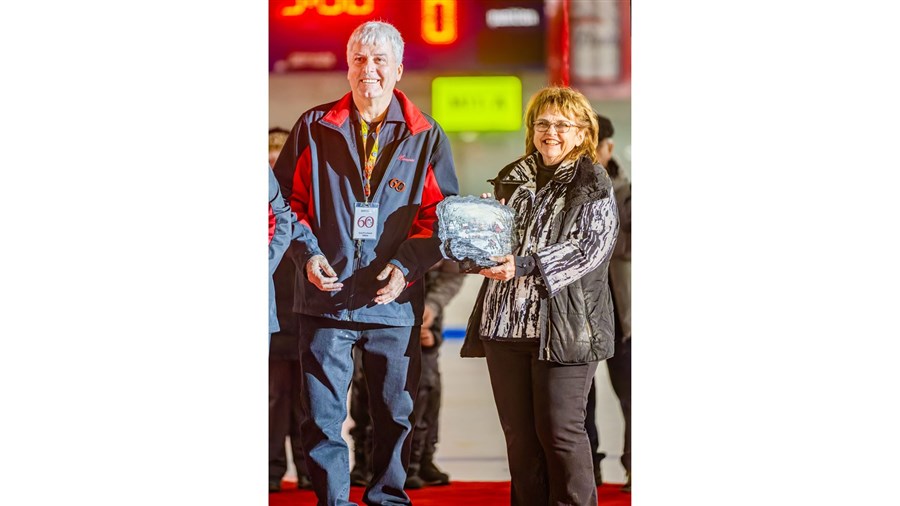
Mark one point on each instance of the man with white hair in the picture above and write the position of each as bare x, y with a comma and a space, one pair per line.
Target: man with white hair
364, 175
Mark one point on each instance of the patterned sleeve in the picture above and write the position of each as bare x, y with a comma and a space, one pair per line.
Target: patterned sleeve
587, 247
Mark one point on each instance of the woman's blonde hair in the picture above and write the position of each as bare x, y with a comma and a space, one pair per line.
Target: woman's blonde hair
569, 103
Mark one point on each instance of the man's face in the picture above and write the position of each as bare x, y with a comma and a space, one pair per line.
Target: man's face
373, 70
604, 151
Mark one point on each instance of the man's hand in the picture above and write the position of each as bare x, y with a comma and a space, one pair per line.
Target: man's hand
396, 284
427, 317
320, 273
426, 338
504, 271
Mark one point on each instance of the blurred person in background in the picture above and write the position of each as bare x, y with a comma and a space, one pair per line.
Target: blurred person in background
544, 316
364, 174
285, 412
277, 138
442, 283
619, 365
280, 229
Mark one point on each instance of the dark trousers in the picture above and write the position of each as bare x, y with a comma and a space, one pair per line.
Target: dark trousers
427, 412
542, 408
620, 376
392, 362
285, 415
619, 367
590, 420
285, 410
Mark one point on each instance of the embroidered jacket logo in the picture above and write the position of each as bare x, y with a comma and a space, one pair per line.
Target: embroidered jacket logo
397, 184
402, 158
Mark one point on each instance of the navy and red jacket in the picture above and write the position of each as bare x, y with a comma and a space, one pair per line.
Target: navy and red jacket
320, 168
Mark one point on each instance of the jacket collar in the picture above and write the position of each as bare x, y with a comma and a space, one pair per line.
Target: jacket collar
566, 171
400, 109
526, 170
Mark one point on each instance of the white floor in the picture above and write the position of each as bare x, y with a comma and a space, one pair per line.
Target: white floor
471, 445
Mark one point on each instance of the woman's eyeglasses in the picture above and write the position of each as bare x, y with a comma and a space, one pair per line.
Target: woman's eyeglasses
560, 126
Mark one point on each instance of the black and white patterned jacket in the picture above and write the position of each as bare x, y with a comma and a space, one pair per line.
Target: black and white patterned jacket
570, 227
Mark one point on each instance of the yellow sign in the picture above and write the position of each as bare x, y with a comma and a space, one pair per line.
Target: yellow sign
477, 103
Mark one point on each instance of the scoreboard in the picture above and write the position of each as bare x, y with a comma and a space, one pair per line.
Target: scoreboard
445, 35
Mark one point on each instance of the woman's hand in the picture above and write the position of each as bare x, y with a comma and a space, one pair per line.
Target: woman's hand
488, 196
504, 271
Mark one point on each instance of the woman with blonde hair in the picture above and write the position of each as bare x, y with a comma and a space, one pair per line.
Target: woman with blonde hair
544, 317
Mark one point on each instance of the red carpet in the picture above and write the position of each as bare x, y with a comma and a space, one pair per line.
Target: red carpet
457, 493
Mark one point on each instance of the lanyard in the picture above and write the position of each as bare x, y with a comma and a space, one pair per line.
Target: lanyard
370, 160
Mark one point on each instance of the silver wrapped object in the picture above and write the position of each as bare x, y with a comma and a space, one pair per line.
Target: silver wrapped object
473, 229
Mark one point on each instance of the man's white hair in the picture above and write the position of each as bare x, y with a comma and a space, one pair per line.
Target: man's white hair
374, 32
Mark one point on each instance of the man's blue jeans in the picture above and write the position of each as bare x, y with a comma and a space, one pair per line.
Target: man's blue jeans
392, 364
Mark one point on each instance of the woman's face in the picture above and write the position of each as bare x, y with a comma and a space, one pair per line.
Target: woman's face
552, 144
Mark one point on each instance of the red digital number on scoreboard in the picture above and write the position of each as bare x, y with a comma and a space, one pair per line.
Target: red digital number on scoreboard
332, 8
439, 24
439, 21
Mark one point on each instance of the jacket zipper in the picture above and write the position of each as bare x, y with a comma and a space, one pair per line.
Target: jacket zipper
357, 254
356, 259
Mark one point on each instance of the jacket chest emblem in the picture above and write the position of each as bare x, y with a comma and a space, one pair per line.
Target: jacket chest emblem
397, 185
